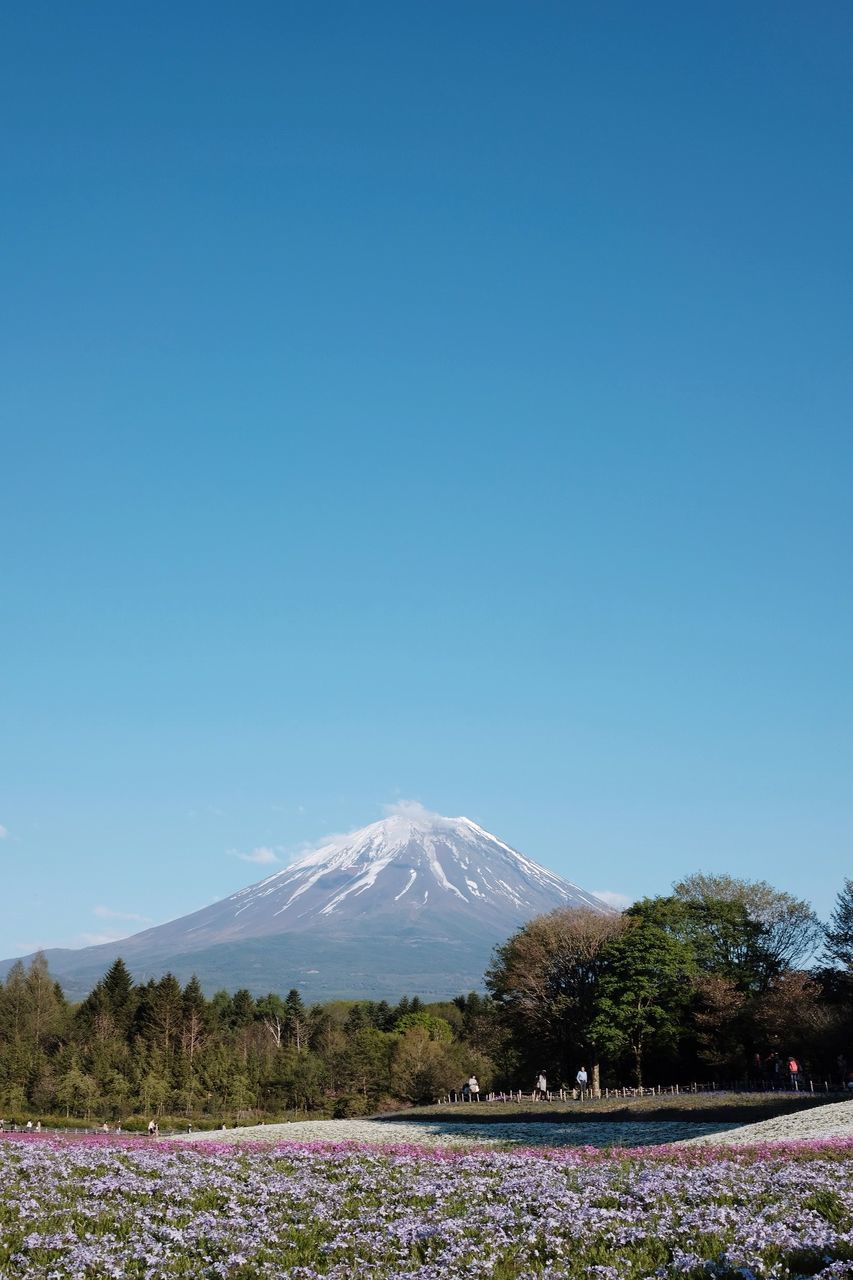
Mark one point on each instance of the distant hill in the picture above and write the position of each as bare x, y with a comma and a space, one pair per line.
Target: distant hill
412, 904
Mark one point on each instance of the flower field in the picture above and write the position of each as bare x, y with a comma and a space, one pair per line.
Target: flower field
102, 1207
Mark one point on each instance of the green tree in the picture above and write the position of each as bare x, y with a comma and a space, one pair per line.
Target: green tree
13, 1004
242, 1009
296, 1020
643, 994
546, 980
364, 1064
160, 1015
436, 1028
119, 994
724, 940
193, 1019
271, 1012
790, 930
422, 1069
77, 1091
44, 1010
356, 1019
154, 1091
301, 1079
790, 1016
839, 932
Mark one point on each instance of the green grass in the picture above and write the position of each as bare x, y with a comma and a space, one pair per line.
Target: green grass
739, 1108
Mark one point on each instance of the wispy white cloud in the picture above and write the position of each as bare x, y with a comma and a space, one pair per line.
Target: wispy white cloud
263, 855
95, 939
4, 832
107, 913
618, 901
409, 809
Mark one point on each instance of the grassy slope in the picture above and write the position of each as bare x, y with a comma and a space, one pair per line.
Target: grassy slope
711, 1107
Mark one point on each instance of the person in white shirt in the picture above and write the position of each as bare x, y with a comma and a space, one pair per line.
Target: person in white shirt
582, 1079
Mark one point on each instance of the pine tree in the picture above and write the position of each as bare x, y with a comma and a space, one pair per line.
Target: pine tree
118, 990
44, 1012
355, 1020
193, 1020
159, 1016
13, 1001
242, 1009
839, 931
297, 1020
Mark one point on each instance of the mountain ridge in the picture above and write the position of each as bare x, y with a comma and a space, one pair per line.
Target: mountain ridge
415, 902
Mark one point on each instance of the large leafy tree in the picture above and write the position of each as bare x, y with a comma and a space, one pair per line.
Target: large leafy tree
643, 994
720, 935
789, 929
547, 979
790, 1014
422, 1068
743, 938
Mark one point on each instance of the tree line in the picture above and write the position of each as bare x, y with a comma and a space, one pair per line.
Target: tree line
708, 982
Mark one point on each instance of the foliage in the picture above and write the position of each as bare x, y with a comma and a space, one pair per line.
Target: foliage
139, 1209
423, 1068
839, 931
790, 930
159, 1049
674, 989
546, 980
643, 992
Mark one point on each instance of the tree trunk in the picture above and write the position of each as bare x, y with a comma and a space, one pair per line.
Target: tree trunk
595, 1080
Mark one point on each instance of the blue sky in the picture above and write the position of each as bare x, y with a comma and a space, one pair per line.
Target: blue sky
447, 402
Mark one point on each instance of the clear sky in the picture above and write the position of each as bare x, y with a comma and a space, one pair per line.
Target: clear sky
442, 401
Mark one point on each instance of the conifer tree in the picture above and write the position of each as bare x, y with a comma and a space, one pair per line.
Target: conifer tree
839, 931
118, 990
297, 1020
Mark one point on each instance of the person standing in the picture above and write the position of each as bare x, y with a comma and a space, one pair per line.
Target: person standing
793, 1072
474, 1088
541, 1086
582, 1080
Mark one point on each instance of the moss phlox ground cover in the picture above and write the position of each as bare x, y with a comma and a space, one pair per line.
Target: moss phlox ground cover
101, 1207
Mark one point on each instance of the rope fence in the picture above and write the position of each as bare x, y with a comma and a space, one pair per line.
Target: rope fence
807, 1085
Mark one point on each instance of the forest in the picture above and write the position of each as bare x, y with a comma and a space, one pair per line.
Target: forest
718, 981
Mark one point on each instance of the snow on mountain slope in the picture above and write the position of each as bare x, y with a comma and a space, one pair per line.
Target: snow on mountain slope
412, 866
415, 902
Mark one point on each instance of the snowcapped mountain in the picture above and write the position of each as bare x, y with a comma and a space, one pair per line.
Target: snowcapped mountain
413, 866
414, 903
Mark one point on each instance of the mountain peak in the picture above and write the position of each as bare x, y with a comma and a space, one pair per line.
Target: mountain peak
394, 831
414, 902
406, 854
